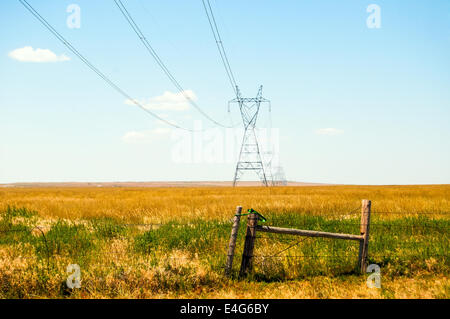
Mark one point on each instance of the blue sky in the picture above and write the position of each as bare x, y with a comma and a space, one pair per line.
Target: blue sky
352, 104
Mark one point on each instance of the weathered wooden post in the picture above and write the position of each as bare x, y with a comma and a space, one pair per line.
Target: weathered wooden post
247, 256
364, 242
233, 237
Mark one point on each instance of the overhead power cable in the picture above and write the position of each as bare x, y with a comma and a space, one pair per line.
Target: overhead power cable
219, 43
93, 68
160, 63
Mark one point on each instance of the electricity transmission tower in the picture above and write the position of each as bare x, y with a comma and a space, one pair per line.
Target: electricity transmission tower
275, 174
249, 156
278, 177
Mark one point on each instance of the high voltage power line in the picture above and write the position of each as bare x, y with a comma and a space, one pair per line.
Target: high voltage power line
250, 155
47, 25
219, 43
160, 63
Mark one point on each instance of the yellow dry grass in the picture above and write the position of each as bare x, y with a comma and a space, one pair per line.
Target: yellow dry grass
114, 270
155, 205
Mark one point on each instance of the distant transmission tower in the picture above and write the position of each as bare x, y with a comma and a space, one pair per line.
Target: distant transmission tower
275, 174
278, 177
249, 156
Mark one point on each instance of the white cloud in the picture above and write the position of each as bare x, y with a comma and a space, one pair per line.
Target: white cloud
28, 54
138, 137
161, 130
329, 131
168, 101
161, 122
164, 119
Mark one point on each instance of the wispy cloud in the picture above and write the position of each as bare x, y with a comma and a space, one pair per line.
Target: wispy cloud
28, 54
148, 136
329, 131
168, 101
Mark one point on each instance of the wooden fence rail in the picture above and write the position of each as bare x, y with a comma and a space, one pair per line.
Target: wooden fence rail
309, 233
253, 227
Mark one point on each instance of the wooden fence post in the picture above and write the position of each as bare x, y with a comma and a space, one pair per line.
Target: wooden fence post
364, 243
247, 256
233, 237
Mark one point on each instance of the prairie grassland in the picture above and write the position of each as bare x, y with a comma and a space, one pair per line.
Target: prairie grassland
171, 242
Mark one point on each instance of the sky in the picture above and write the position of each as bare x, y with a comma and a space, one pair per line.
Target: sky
357, 97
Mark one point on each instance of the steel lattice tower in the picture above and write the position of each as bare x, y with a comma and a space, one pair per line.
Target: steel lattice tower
249, 156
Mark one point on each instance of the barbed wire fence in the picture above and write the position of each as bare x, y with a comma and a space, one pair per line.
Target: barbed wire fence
282, 253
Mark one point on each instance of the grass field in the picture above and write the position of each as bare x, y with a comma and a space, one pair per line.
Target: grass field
172, 242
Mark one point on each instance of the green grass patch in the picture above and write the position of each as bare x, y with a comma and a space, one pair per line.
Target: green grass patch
107, 228
16, 225
198, 236
67, 239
